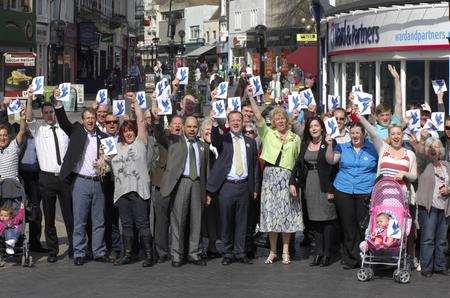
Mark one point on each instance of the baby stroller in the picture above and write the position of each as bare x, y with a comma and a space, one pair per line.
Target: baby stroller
12, 192
388, 200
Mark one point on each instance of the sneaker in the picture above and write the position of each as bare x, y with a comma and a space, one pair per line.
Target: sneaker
10, 250
416, 264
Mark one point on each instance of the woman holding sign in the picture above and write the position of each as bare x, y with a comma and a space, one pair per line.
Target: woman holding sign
132, 184
280, 212
314, 176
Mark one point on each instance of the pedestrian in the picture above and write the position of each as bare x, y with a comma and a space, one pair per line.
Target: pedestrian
51, 146
353, 184
233, 181
280, 212
132, 185
314, 176
87, 192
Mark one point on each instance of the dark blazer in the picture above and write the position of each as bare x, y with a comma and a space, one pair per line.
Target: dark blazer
77, 135
177, 153
222, 166
326, 171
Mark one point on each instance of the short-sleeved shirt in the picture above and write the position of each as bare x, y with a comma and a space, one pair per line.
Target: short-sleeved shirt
357, 170
383, 131
130, 170
9, 160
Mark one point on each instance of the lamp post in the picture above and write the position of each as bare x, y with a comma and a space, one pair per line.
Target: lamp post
261, 37
182, 34
155, 44
59, 27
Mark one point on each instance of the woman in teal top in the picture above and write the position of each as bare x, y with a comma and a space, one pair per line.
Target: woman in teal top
280, 212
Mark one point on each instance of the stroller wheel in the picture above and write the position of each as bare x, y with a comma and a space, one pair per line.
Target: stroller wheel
364, 274
404, 276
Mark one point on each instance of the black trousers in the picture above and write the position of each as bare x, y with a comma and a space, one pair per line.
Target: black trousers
353, 213
233, 204
112, 230
51, 188
161, 207
323, 236
254, 209
31, 185
133, 212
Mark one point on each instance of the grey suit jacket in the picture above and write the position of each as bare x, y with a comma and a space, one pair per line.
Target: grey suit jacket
177, 152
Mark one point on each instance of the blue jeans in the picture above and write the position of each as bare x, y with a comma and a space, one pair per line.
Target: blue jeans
433, 237
12, 233
88, 196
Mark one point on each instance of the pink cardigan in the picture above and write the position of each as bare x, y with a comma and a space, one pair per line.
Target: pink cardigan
15, 222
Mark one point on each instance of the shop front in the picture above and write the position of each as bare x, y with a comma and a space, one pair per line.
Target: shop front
414, 38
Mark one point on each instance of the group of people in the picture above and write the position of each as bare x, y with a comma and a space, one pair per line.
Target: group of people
202, 187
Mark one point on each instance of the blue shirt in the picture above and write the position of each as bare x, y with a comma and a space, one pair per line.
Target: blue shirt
383, 131
357, 170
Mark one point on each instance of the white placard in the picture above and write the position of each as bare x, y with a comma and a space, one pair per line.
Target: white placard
183, 75
219, 109
364, 102
357, 88
119, 107
222, 90
37, 84
429, 125
438, 119
334, 102
257, 88
102, 97
164, 105
109, 146
439, 86
414, 118
332, 127
294, 102
64, 92
141, 99
161, 86
14, 107
307, 97
234, 104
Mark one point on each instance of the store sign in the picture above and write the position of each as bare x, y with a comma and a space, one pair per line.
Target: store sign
306, 37
88, 34
414, 26
19, 68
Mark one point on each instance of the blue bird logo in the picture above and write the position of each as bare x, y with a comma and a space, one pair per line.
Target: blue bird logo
222, 88
160, 89
414, 118
183, 74
235, 103
334, 102
395, 229
431, 126
64, 91
256, 84
219, 108
440, 84
165, 104
309, 97
438, 120
102, 95
15, 106
120, 108
140, 99
296, 101
332, 126
366, 105
109, 145
38, 84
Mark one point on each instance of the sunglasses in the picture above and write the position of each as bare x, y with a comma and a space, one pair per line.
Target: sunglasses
112, 122
249, 131
447, 127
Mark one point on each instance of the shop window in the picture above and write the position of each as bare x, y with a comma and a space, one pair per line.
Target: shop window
415, 87
387, 89
350, 70
367, 77
439, 71
195, 32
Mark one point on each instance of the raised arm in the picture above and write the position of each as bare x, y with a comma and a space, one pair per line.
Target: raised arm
398, 92
61, 115
331, 156
29, 106
440, 99
216, 137
23, 128
376, 139
140, 121
255, 108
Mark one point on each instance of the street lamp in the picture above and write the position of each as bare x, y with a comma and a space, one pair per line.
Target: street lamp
261, 37
182, 34
59, 27
155, 44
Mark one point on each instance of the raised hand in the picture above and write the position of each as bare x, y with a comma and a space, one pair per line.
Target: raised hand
393, 72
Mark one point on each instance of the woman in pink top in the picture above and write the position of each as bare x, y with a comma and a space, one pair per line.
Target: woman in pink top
10, 226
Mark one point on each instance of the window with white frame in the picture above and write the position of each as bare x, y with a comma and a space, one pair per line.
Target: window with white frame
207, 36
237, 20
194, 32
253, 17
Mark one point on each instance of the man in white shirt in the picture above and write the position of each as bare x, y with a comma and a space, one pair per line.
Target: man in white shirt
51, 145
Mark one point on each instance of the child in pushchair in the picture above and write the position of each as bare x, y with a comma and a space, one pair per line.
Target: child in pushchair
10, 225
389, 226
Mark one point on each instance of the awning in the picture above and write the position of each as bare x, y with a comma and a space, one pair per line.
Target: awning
305, 58
201, 51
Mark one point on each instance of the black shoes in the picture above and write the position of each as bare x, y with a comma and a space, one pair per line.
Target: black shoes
442, 272
39, 249
163, 259
52, 258
78, 261
317, 260
226, 261
102, 259
426, 273
199, 262
349, 266
244, 260
177, 264
326, 261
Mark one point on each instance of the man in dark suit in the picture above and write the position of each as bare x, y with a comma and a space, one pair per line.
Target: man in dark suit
79, 163
184, 180
234, 179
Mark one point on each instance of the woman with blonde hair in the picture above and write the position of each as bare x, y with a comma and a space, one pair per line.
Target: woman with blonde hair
280, 212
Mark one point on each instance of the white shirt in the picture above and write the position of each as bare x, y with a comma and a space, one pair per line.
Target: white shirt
45, 145
85, 165
102, 128
197, 158
232, 174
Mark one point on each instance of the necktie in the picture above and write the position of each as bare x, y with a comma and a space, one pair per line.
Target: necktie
192, 161
55, 137
237, 157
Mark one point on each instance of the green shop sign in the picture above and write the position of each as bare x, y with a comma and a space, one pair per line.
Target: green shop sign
17, 28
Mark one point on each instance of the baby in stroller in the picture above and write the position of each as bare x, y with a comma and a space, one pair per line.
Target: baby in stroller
385, 234
10, 225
